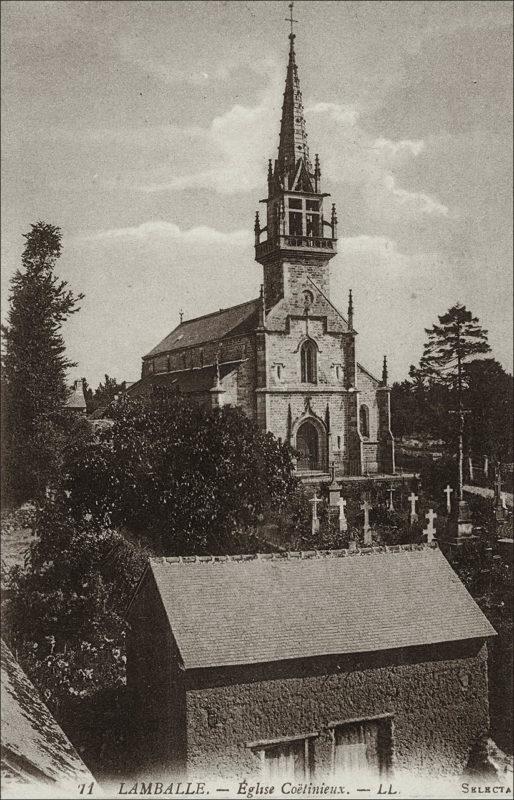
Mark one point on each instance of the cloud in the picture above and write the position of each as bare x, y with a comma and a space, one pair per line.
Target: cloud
415, 202
402, 147
158, 229
340, 113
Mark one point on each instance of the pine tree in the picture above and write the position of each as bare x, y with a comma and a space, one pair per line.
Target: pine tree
34, 366
456, 341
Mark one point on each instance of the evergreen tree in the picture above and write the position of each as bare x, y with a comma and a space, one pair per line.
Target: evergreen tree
34, 366
457, 340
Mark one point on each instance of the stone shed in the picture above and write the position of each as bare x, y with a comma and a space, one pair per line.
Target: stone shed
302, 665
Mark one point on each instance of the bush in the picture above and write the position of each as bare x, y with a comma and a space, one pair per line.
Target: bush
65, 613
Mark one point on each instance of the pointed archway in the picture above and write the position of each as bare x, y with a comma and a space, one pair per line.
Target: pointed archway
309, 447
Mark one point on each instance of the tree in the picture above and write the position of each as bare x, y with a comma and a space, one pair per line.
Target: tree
34, 366
457, 340
104, 393
65, 613
187, 476
489, 396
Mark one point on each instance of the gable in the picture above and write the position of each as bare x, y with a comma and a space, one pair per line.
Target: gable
250, 609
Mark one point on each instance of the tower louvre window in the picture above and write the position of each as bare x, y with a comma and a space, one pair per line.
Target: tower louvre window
295, 224
308, 362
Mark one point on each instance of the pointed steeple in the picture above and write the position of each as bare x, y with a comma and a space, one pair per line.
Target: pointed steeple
293, 136
350, 310
384, 372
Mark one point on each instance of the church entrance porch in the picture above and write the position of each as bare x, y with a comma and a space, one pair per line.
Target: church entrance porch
309, 444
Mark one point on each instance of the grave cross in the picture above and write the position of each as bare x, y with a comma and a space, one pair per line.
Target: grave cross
448, 491
315, 520
486, 466
430, 530
390, 507
503, 500
343, 522
470, 465
412, 500
366, 507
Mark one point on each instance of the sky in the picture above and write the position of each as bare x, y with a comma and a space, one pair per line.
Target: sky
143, 130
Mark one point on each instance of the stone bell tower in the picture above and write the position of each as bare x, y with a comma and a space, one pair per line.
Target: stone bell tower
298, 237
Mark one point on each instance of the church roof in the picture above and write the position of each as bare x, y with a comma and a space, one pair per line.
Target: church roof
259, 608
34, 747
195, 379
242, 318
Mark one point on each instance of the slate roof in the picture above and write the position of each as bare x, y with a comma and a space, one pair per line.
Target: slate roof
34, 747
242, 318
196, 379
251, 609
76, 397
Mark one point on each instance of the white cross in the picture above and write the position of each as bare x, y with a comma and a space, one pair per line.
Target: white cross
366, 507
448, 491
315, 521
343, 522
486, 466
412, 499
390, 506
470, 462
430, 530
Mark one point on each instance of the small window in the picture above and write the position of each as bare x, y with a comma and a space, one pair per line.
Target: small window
362, 749
364, 421
308, 362
286, 760
312, 205
308, 298
279, 372
294, 203
338, 442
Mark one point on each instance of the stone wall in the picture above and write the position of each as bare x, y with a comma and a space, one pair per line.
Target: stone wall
437, 697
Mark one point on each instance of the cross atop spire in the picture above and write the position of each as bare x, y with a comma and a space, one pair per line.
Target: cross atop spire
290, 18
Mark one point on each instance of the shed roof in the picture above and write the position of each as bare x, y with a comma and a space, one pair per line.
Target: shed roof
252, 609
34, 747
242, 318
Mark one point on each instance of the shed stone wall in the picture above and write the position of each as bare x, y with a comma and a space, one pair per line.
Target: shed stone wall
437, 697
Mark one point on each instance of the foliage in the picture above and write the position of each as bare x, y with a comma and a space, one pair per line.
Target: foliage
64, 616
34, 366
187, 476
457, 339
104, 393
452, 367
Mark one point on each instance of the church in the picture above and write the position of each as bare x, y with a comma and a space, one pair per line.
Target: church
288, 357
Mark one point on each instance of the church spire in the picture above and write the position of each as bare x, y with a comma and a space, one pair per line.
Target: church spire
293, 136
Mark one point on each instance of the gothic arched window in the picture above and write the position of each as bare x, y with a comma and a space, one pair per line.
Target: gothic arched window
364, 421
308, 362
